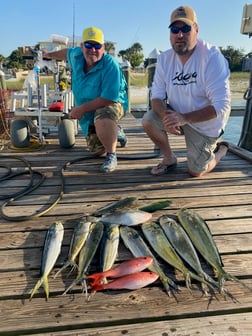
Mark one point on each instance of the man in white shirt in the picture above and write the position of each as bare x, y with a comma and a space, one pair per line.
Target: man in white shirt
190, 95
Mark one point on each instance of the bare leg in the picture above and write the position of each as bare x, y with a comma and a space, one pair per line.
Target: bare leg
160, 139
106, 130
222, 150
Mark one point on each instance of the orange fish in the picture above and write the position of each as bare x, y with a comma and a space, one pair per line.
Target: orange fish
127, 267
130, 281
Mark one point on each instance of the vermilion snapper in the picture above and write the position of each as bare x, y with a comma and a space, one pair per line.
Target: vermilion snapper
130, 266
130, 281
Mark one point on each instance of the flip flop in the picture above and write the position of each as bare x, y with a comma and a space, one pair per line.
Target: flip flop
221, 143
162, 169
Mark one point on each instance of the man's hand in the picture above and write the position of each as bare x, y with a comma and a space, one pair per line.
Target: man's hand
76, 113
172, 121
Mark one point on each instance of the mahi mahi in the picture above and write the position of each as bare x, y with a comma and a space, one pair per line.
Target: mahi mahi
122, 203
78, 239
155, 206
159, 242
199, 233
183, 245
51, 251
87, 253
137, 246
109, 246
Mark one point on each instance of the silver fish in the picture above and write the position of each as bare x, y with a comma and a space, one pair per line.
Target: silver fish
51, 251
129, 217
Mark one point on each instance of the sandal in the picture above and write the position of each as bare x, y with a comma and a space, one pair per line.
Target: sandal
221, 143
163, 168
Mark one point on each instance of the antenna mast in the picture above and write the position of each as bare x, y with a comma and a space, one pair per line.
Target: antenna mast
73, 24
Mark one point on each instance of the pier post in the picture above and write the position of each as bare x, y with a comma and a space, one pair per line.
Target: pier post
246, 132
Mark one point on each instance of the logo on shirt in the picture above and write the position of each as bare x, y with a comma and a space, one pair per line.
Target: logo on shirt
182, 78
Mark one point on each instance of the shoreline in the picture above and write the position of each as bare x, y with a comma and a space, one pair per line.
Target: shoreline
140, 95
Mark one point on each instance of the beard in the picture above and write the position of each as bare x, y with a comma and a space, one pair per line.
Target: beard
183, 46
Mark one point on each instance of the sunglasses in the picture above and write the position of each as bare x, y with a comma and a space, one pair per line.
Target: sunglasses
89, 45
184, 29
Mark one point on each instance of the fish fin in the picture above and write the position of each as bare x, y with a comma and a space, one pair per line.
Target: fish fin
36, 287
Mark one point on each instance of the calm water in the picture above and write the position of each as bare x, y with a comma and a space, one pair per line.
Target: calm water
234, 125
233, 130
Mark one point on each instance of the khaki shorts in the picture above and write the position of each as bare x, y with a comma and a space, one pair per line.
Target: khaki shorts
200, 148
114, 112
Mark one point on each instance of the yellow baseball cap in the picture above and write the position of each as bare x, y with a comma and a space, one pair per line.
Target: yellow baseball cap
93, 34
185, 14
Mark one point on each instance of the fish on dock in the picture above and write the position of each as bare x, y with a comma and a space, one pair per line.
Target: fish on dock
109, 246
122, 203
51, 251
128, 217
137, 246
127, 267
200, 234
78, 239
184, 246
161, 245
87, 253
131, 281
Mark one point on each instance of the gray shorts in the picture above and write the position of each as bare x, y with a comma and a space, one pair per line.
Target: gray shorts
200, 148
114, 112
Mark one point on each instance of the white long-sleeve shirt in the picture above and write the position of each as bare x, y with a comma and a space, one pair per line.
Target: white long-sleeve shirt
203, 80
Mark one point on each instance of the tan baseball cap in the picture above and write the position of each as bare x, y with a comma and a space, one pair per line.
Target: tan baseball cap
185, 14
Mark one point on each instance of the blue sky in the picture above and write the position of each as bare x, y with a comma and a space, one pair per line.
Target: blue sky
124, 22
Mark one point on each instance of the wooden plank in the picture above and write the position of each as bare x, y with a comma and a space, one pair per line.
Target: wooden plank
224, 325
222, 198
106, 309
19, 281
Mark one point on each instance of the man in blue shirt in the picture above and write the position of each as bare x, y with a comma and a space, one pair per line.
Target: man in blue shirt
100, 92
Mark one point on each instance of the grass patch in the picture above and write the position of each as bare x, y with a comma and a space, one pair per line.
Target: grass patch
136, 79
239, 76
18, 85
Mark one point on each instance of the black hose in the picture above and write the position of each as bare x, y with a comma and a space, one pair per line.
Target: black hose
32, 186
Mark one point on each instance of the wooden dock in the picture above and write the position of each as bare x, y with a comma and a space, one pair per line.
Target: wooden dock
223, 198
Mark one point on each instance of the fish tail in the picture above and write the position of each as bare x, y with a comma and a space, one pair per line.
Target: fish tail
97, 287
36, 287
234, 278
46, 287
188, 282
74, 266
67, 264
75, 282
62, 268
210, 280
96, 279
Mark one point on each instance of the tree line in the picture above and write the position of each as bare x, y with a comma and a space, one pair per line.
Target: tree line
133, 55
